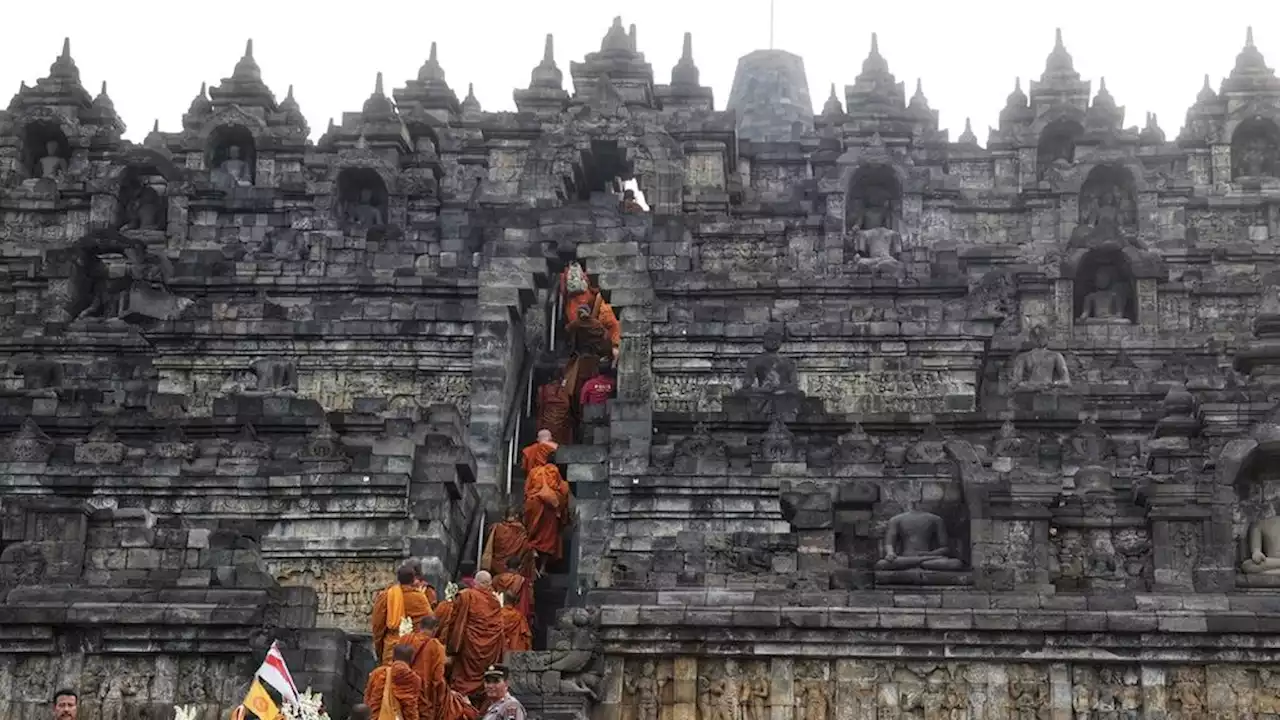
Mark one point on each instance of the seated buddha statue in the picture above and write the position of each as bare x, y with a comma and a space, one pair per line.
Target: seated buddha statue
1263, 548
917, 539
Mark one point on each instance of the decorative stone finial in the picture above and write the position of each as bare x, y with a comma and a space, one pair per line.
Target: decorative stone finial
1059, 62
875, 64
832, 106
546, 75
66, 45
155, 127
247, 69
685, 72
919, 102
431, 70
1248, 36
200, 105
470, 104
631, 34
378, 103
616, 40
1206, 94
967, 137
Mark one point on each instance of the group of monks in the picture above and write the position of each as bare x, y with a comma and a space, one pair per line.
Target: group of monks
593, 336
434, 654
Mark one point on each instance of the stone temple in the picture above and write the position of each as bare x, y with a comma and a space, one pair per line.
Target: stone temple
905, 427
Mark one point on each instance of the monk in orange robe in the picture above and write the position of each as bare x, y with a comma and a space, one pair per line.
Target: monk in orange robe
516, 585
517, 637
546, 500
555, 408
508, 539
594, 335
394, 690
475, 637
444, 611
400, 601
439, 701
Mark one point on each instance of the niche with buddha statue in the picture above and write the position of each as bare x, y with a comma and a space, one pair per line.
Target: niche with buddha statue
231, 157
46, 153
1105, 290
362, 198
1056, 150
1255, 149
143, 204
873, 219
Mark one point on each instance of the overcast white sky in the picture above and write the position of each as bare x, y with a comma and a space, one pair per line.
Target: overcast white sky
154, 55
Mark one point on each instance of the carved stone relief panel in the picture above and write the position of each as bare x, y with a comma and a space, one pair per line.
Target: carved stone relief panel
345, 588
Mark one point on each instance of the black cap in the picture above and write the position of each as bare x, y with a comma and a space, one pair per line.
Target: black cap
496, 671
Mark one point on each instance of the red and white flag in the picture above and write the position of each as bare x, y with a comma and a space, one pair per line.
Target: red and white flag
276, 674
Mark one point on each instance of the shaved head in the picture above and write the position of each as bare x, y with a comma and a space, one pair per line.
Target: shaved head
403, 653
544, 436
484, 579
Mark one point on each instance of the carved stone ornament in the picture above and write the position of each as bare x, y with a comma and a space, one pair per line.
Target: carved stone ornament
28, 445
701, 445
930, 449
248, 446
324, 445
100, 447
173, 445
778, 444
856, 446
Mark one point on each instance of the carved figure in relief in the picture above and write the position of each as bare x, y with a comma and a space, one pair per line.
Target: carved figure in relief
770, 371
52, 166
1104, 304
811, 702
1038, 367
718, 701
754, 694
917, 539
644, 691
1263, 548
236, 170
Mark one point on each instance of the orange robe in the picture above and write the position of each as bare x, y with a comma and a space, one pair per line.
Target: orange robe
535, 455
518, 585
404, 693
475, 637
428, 664
555, 410
508, 539
546, 509
444, 613
515, 630
392, 605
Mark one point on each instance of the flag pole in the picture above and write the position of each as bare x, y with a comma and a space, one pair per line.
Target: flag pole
771, 24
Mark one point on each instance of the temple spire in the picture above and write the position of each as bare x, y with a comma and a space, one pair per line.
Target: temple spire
248, 48
967, 137
549, 51
1248, 36
66, 46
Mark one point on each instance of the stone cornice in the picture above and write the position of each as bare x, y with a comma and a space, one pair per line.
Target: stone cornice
1235, 631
